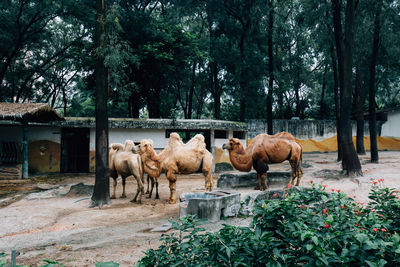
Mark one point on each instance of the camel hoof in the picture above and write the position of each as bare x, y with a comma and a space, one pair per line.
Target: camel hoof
133, 200
123, 196
139, 201
112, 197
148, 196
257, 188
157, 197
172, 201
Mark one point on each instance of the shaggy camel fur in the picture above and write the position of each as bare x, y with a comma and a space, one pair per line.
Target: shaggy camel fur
263, 150
177, 158
122, 161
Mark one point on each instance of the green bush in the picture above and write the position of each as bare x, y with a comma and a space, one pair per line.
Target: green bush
307, 227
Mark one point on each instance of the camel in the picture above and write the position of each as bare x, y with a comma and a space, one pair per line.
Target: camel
263, 150
177, 158
122, 161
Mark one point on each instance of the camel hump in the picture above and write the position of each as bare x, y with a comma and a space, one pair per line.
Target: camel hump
175, 140
129, 145
116, 147
197, 143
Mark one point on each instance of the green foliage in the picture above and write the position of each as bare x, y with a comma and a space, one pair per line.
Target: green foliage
307, 227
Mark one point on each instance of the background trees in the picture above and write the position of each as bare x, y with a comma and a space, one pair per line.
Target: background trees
231, 59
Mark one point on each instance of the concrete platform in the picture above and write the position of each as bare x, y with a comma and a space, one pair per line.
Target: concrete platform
249, 179
210, 205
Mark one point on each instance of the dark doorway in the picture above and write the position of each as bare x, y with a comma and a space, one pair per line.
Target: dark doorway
75, 150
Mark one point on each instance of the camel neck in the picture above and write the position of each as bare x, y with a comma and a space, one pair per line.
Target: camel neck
241, 159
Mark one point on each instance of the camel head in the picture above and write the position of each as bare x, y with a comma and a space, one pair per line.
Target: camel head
233, 144
145, 146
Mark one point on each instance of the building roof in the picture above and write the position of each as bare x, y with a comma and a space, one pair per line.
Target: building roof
157, 124
30, 112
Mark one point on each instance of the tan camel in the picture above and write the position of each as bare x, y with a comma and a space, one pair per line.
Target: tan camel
122, 161
177, 158
263, 150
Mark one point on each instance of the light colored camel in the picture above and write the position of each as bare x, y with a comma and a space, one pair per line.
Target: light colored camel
177, 158
122, 161
263, 150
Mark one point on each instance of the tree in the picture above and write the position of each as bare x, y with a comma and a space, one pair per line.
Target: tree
344, 48
371, 84
101, 192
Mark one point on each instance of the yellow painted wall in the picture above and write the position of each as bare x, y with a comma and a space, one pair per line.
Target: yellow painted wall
47, 160
330, 144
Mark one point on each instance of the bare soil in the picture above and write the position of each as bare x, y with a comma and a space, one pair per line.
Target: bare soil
40, 221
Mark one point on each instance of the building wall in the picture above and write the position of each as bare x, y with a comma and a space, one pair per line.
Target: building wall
44, 148
317, 130
392, 126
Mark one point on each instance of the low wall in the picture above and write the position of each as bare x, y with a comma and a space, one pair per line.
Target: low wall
303, 129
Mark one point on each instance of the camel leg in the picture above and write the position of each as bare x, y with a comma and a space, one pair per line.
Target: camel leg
123, 187
264, 176
299, 175
156, 182
258, 187
172, 186
114, 187
207, 170
148, 185
140, 187
209, 183
139, 191
152, 185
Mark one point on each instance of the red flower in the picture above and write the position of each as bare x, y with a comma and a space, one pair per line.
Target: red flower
333, 190
324, 212
356, 224
311, 181
375, 230
359, 213
327, 225
342, 207
380, 180
275, 195
313, 212
374, 182
395, 191
283, 221
373, 210
383, 230
338, 190
324, 185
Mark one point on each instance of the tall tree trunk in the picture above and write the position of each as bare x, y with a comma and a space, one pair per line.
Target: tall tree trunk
350, 162
135, 104
191, 91
337, 102
321, 101
360, 99
371, 108
242, 82
270, 68
101, 192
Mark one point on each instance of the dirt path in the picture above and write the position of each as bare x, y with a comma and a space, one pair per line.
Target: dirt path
51, 226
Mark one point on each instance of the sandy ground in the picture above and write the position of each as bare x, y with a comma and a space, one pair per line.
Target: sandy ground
48, 225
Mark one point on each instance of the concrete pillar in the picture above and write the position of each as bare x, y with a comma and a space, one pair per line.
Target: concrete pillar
212, 145
25, 149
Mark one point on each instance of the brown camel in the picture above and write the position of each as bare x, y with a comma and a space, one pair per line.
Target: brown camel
122, 161
263, 150
177, 158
